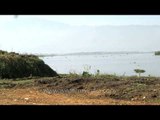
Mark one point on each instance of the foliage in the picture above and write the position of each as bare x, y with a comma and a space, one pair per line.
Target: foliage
139, 71
86, 74
157, 53
86, 71
14, 65
87, 68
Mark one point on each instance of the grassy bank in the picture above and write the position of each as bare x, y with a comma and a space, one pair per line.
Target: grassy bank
14, 65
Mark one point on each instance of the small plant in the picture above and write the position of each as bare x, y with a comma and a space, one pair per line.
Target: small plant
139, 71
73, 73
86, 74
124, 74
87, 68
97, 72
86, 71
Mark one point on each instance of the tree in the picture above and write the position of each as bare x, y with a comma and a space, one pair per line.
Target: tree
139, 71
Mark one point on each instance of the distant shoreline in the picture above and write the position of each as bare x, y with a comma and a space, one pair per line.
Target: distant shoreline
91, 53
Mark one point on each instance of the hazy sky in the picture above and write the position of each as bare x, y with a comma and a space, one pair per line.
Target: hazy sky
79, 33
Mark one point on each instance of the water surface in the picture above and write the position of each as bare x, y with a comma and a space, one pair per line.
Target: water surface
119, 64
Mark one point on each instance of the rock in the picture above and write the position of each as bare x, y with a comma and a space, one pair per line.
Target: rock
144, 97
135, 98
26, 98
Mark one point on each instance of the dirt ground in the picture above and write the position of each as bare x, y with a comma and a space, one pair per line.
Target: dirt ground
76, 90
32, 96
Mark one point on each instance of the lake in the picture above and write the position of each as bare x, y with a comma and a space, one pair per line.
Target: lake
119, 64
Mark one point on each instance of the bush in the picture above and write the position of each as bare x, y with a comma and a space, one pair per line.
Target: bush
86, 71
86, 74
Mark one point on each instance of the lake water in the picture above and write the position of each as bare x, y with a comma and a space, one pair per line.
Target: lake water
119, 64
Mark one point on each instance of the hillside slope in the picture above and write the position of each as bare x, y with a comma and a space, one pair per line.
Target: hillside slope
14, 65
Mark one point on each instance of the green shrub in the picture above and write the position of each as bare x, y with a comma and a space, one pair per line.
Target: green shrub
86, 71
86, 74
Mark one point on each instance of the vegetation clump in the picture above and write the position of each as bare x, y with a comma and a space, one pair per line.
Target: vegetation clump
86, 74
157, 53
139, 71
15, 65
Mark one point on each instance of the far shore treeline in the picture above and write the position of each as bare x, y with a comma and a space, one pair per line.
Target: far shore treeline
15, 65
157, 53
